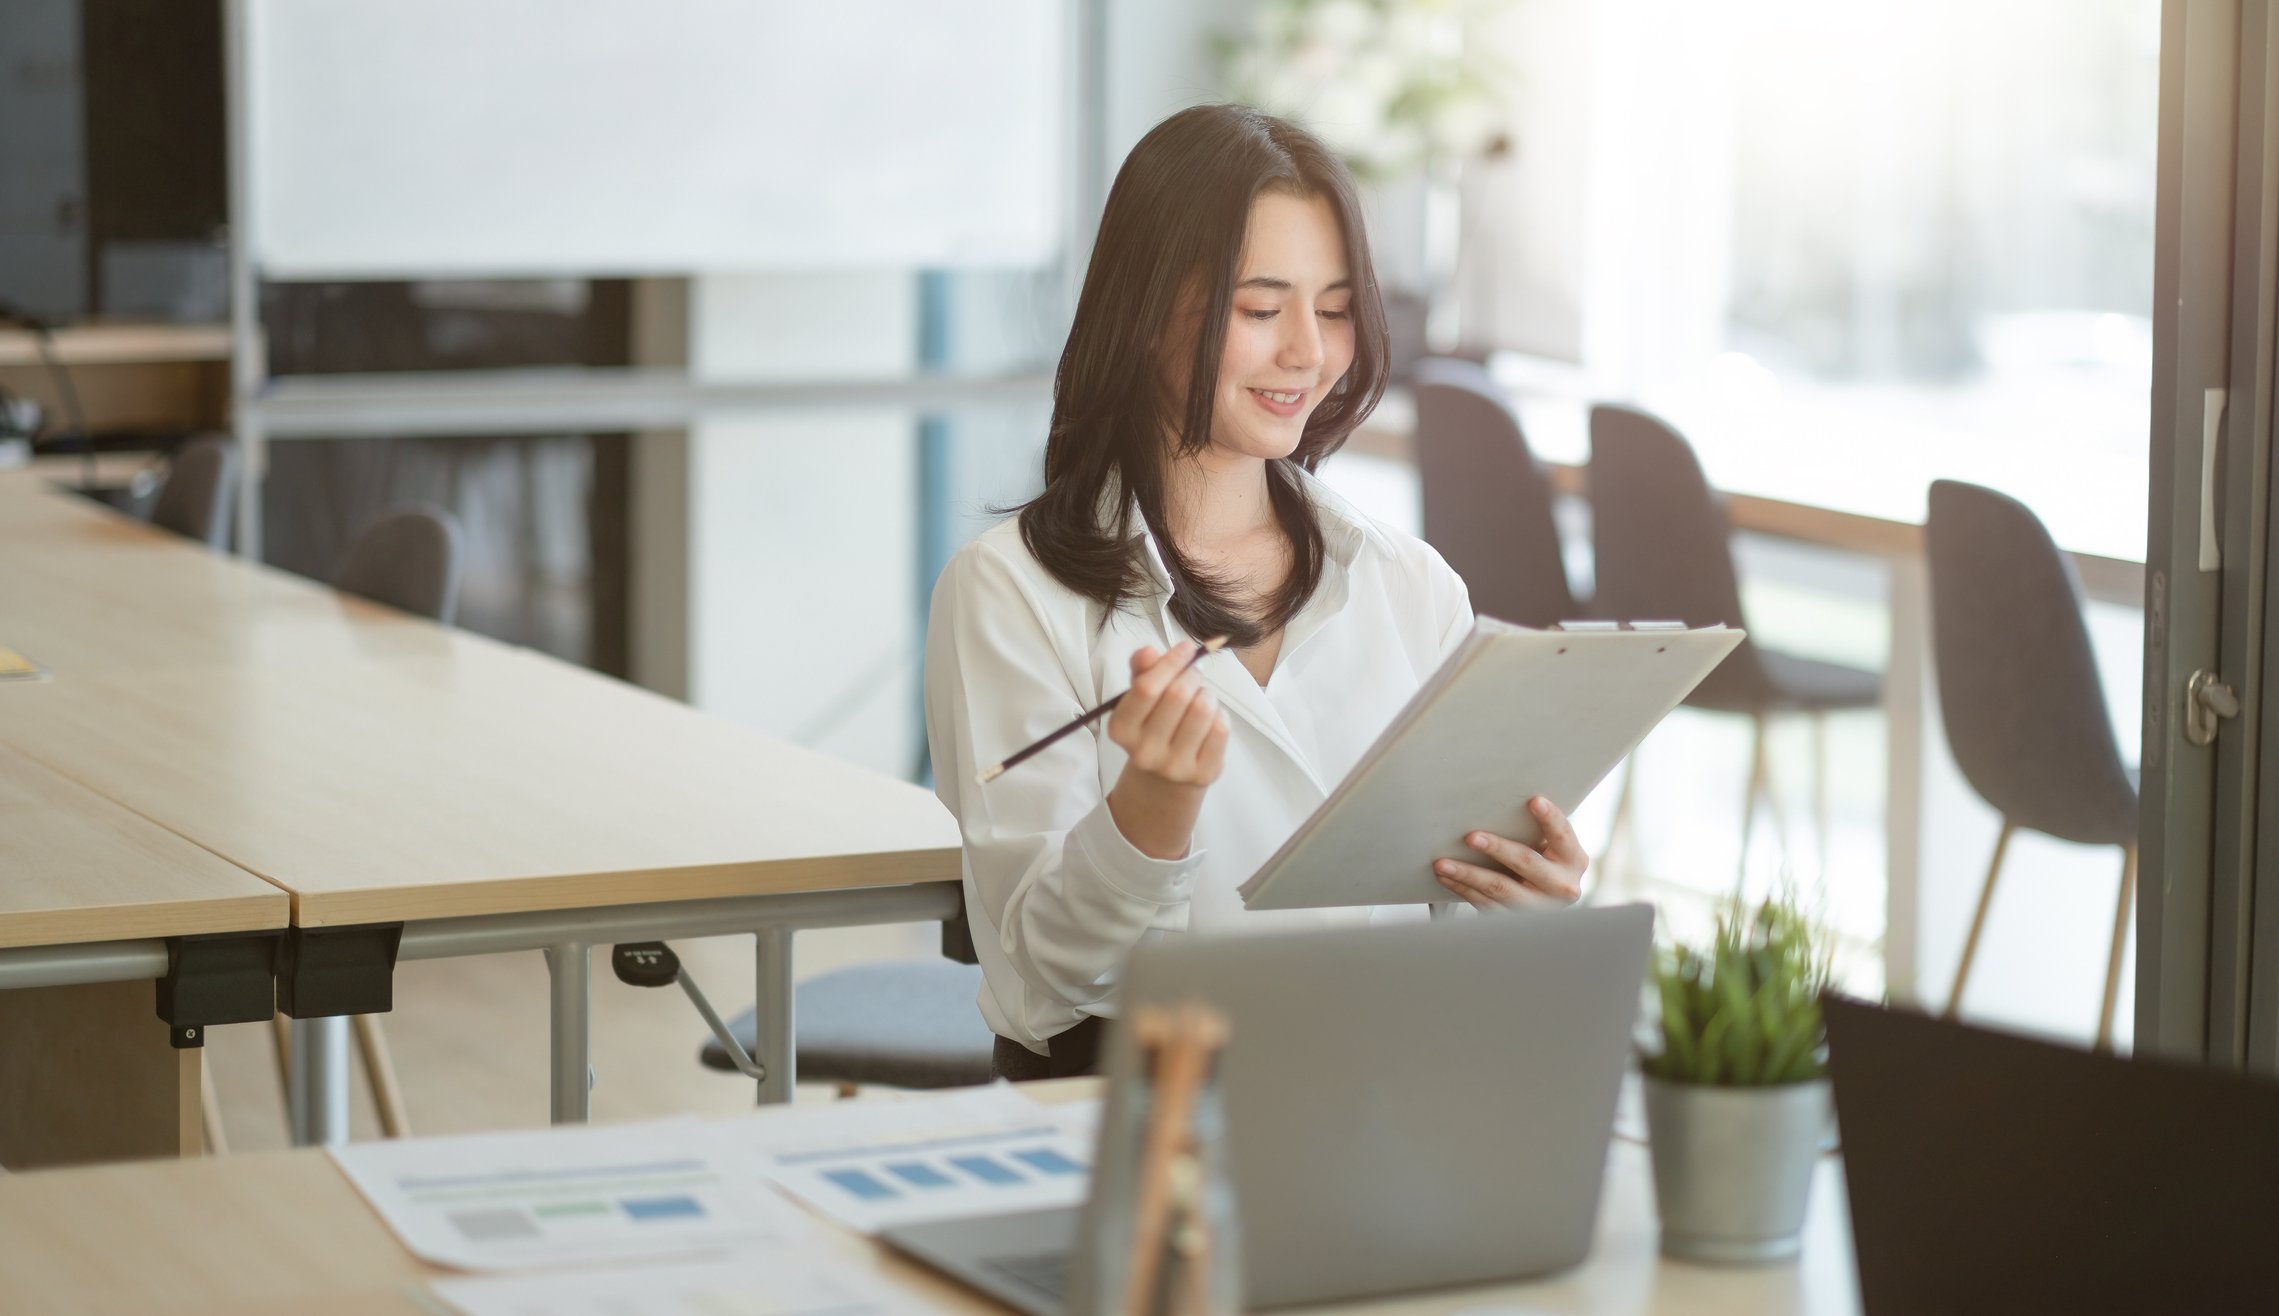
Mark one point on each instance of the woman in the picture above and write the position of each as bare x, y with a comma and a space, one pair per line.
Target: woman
1228, 337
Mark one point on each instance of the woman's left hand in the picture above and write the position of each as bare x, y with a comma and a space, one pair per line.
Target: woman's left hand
1526, 876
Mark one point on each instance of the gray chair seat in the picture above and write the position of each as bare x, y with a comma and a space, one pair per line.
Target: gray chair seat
909, 1024
1794, 684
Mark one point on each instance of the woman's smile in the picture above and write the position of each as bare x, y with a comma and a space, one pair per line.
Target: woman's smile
1283, 404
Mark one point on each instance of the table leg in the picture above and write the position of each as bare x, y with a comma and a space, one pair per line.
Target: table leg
570, 967
1908, 699
319, 1095
775, 1045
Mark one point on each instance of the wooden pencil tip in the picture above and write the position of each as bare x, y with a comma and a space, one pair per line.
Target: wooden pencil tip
1213, 646
991, 774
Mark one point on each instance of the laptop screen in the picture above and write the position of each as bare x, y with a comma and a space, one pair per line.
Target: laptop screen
1995, 1173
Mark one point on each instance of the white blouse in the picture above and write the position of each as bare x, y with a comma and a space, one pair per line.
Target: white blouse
1056, 896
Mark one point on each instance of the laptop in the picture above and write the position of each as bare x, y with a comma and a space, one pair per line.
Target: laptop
1407, 1107
1994, 1173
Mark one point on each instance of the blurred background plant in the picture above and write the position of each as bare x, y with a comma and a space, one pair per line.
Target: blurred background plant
1745, 1010
1395, 86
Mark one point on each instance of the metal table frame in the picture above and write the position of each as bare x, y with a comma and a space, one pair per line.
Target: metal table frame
319, 1069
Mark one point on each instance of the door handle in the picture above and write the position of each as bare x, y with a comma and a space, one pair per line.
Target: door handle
2207, 701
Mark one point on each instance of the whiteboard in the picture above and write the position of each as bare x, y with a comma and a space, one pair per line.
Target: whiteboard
502, 138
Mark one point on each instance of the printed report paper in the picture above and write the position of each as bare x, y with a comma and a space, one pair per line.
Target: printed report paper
568, 1196
879, 1165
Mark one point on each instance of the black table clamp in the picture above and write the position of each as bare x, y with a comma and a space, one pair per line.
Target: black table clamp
345, 970
217, 978
245, 977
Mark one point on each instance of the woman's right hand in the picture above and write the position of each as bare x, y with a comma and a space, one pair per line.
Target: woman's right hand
1174, 739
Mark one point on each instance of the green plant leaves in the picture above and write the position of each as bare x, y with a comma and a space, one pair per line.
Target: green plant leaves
1745, 1011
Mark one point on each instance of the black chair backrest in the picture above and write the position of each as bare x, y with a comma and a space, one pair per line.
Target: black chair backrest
200, 491
1487, 501
2018, 688
1662, 545
408, 558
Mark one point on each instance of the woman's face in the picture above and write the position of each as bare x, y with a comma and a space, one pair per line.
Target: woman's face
1290, 332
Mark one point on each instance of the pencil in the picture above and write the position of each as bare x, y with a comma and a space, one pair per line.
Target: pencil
991, 774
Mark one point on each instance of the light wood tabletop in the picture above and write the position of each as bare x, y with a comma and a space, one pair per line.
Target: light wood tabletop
78, 867
379, 767
478, 780
84, 589
284, 1232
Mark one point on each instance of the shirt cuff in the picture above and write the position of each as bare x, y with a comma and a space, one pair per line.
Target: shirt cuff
1122, 865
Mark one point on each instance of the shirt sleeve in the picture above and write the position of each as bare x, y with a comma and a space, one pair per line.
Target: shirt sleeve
1052, 883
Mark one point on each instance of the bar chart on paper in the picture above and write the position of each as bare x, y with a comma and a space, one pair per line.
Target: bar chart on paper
882, 1186
508, 1201
977, 1154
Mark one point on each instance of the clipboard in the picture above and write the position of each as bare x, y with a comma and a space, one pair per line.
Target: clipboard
1512, 713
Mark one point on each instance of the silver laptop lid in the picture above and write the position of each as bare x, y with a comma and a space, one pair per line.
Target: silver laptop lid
1411, 1106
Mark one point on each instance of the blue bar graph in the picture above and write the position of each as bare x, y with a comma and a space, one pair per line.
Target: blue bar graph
1047, 1161
988, 1169
661, 1208
861, 1185
918, 1174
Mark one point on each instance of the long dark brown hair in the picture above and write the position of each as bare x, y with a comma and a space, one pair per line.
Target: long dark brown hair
1170, 237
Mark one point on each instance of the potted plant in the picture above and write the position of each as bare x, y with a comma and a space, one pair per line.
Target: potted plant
1736, 1089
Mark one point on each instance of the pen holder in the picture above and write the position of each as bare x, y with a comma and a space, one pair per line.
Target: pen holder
1162, 1237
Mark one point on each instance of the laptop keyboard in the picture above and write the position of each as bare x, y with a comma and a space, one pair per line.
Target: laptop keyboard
1046, 1272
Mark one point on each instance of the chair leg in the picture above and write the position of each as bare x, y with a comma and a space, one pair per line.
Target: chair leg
380, 1071
1758, 777
2120, 943
1978, 920
210, 1108
1820, 830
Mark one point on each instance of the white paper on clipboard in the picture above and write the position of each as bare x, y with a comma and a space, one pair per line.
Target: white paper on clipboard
1512, 713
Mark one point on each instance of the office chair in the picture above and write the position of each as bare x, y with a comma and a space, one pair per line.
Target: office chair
408, 558
200, 491
1663, 548
1489, 509
2020, 699
905, 1024
1487, 501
